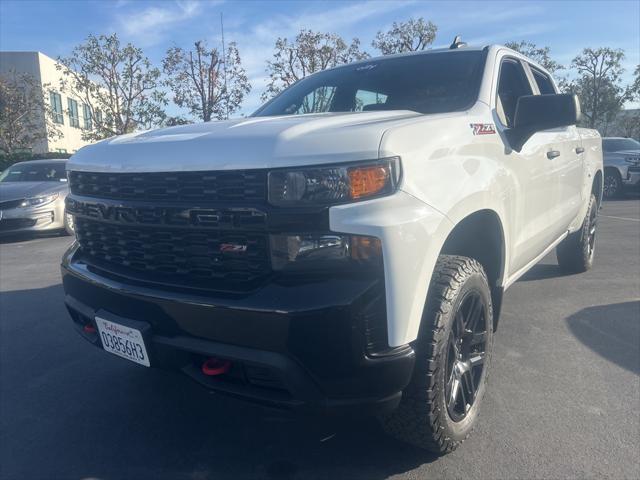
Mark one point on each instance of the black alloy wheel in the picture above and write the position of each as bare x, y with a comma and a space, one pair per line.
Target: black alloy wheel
612, 185
591, 240
465, 355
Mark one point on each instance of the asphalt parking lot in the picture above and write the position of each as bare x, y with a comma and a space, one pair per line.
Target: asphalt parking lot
563, 398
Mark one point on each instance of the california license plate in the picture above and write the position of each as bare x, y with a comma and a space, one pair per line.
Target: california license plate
126, 342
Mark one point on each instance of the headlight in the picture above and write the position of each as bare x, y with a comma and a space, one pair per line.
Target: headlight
39, 201
305, 253
632, 160
334, 184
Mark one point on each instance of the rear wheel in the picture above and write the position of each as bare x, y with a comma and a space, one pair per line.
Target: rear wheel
440, 406
575, 253
612, 186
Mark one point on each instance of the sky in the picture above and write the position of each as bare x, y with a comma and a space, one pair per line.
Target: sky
54, 27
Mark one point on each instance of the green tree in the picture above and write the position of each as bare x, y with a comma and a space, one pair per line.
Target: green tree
118, 83
309, 52
26, 118
599, 85
541, 55
410, 36
203, 82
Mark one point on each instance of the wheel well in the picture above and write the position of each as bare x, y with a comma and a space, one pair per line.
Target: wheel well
596, 189
480, 236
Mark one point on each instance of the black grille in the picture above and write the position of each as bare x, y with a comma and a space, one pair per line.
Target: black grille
212, 259
7, 224
220, 186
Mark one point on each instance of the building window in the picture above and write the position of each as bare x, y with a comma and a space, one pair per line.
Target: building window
74, 119
56, 106
86, 114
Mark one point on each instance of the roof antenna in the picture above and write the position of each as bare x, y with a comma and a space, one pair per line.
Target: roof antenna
457, 43
224, 66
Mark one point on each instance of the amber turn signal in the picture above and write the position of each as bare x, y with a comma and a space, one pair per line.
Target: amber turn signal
367, 181
366, 248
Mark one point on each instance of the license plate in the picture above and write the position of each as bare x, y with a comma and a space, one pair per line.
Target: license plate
126, 342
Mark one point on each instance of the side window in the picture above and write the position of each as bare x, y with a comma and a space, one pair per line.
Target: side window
366, 100
512, 84
545, 85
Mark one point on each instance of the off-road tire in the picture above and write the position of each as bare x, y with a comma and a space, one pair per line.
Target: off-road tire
422, 418
575, 253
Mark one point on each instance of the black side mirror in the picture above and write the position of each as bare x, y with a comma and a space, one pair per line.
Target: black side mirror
535, 113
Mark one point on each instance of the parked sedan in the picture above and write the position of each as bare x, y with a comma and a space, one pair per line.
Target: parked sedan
621, 164
32, 196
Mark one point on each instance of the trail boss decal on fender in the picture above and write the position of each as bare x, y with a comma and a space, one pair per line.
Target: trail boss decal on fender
483, 128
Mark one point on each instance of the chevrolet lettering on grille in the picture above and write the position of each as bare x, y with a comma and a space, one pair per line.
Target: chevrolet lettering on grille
227, 218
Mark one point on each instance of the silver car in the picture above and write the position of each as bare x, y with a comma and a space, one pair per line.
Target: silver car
621, 164
32, 196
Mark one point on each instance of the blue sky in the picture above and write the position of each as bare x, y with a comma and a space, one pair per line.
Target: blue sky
54, 27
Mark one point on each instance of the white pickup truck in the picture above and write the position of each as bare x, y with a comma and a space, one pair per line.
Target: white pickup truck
347, 247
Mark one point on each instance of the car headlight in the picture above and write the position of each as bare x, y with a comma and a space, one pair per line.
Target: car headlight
633, 160
39, 201
324, 252
334, 184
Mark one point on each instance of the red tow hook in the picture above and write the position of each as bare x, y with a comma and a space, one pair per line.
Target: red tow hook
215, 366
88, 328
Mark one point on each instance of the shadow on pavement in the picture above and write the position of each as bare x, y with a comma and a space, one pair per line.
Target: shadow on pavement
542, 271
24, 237
85, 413
612, 331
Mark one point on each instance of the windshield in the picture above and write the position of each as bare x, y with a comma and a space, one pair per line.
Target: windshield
35, 172
429, 83
620, 144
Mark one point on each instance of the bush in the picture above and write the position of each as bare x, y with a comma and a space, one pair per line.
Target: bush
8, 160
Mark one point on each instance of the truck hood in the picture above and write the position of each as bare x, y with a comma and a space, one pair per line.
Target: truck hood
20, 190
257, 142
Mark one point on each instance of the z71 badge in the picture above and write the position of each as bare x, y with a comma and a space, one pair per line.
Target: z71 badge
483, 128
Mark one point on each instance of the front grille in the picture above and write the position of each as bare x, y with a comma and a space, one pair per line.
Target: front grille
238, 186
9, 204
201, 258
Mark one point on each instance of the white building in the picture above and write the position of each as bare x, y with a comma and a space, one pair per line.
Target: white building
70, 114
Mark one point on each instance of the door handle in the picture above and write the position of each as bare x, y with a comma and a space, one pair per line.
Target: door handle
551, 154
579, 150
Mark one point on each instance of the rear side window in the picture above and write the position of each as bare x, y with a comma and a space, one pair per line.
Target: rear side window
512, 85
545, 85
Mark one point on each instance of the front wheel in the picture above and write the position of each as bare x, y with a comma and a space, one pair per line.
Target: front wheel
575, 253
612, 185
440, 405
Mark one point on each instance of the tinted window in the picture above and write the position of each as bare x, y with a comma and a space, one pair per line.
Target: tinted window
619, 144
512, 85
545, 85
34, 172
427, 83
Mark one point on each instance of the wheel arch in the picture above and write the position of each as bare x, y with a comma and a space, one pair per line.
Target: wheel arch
480, 235
596, 187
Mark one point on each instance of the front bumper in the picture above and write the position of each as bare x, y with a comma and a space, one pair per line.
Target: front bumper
306, 345
632, 177
40, 219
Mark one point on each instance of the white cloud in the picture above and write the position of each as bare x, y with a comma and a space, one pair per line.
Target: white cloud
149, 26
256, 45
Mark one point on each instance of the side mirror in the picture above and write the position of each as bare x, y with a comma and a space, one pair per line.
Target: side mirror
535, 113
